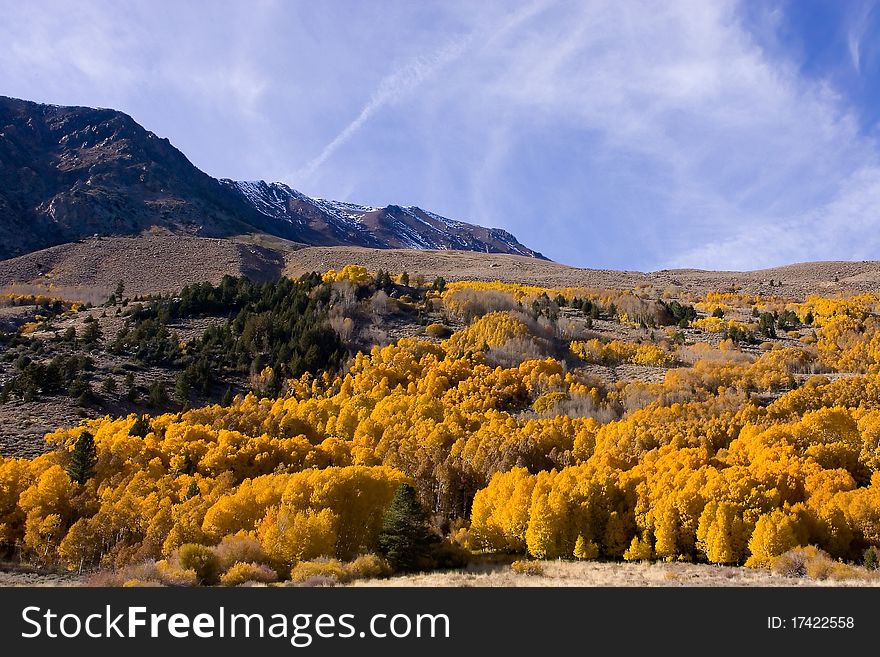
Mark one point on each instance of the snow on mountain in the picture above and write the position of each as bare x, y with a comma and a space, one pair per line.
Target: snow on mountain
392, 226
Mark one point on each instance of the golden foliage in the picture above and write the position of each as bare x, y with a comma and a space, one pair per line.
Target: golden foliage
352, 273
620, 351
693, 468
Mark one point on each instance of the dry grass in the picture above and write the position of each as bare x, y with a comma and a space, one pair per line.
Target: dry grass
149, 264
798, 280
592, 573
552, 573
158, 262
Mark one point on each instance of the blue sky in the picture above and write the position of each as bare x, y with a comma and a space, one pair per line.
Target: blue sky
637, 135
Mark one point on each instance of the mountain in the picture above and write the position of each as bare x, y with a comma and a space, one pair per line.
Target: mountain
72, 172
324, 222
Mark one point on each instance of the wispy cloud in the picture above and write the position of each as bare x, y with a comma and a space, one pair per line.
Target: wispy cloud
855, 34
392, 87
410, 76
635, 134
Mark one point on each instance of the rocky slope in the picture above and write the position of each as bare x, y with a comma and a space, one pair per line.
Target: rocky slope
72, 172
320, 221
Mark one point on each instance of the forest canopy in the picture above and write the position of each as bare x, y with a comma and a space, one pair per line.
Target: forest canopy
731, 453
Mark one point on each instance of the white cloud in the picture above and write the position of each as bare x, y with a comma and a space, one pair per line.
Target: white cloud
744, 144
392, 87
410, 76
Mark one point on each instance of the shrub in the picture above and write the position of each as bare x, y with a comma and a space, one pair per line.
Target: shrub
319, 580
367, 566
239, 548
820, 567
871, 558
548, 401
201, 560
143, 573
242, 572
329, 569
525, 567
438, 331
812, 562
174, 575
448, 554
792, 563
140, 583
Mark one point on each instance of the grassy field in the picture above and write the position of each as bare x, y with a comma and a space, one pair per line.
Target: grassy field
555, 573
568, 573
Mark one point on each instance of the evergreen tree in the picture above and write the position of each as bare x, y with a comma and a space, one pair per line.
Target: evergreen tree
182, 388
405, 540
141, 426
157, 395
83, 459
70, 335
227, 397
767, 325
92, 334
193, 490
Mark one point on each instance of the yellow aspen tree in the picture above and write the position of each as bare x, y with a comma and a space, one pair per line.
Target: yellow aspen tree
585, 550
666, 532
639, 549
543, 530
722, 534
775, 533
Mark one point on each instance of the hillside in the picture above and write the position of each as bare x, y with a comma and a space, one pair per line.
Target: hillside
247, 432
167, 262
67, 173
795, 281
155, 263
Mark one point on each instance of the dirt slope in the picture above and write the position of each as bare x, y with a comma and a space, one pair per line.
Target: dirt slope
146, 264
795, 281
160, 263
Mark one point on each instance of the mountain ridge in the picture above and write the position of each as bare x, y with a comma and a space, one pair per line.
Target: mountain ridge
390, 226
70, 172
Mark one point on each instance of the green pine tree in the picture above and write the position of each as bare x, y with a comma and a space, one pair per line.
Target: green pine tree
182, 388
193, 490
406, 540
83, 459
141, 426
